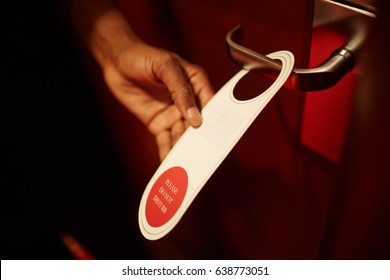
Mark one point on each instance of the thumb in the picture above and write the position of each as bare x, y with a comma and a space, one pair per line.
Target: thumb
170, 71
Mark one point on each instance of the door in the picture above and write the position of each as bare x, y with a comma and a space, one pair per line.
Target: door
269, 199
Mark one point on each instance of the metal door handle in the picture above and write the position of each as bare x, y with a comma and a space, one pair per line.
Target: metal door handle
327, 74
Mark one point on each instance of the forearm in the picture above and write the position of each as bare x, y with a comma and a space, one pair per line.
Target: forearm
102, 27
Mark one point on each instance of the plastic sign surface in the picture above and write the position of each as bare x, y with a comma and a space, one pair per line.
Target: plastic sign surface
200, 151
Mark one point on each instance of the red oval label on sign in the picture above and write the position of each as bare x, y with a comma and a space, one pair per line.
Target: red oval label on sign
166, 196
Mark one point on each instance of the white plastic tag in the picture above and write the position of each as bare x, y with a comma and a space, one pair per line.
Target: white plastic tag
200, 151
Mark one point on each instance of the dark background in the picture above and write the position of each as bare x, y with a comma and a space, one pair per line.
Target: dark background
60, 171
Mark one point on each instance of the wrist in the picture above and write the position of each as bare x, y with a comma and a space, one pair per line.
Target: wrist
109, 36
103, 28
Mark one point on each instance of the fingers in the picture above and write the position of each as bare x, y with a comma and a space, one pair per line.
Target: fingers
167, 126
164, 120
186, 84
164, 143
170, 71
166, 139
199, 81
177, 130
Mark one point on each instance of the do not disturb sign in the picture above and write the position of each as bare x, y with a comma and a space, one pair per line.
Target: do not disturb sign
200, 151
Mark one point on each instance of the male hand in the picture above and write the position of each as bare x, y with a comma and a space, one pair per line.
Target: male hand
160, 88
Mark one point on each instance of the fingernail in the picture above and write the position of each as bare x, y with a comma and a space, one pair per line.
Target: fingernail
194, 116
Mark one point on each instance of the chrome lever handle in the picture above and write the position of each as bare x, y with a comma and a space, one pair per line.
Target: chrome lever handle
327, 74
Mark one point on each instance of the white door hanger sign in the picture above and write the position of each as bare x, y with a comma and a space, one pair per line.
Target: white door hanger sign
200, 151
